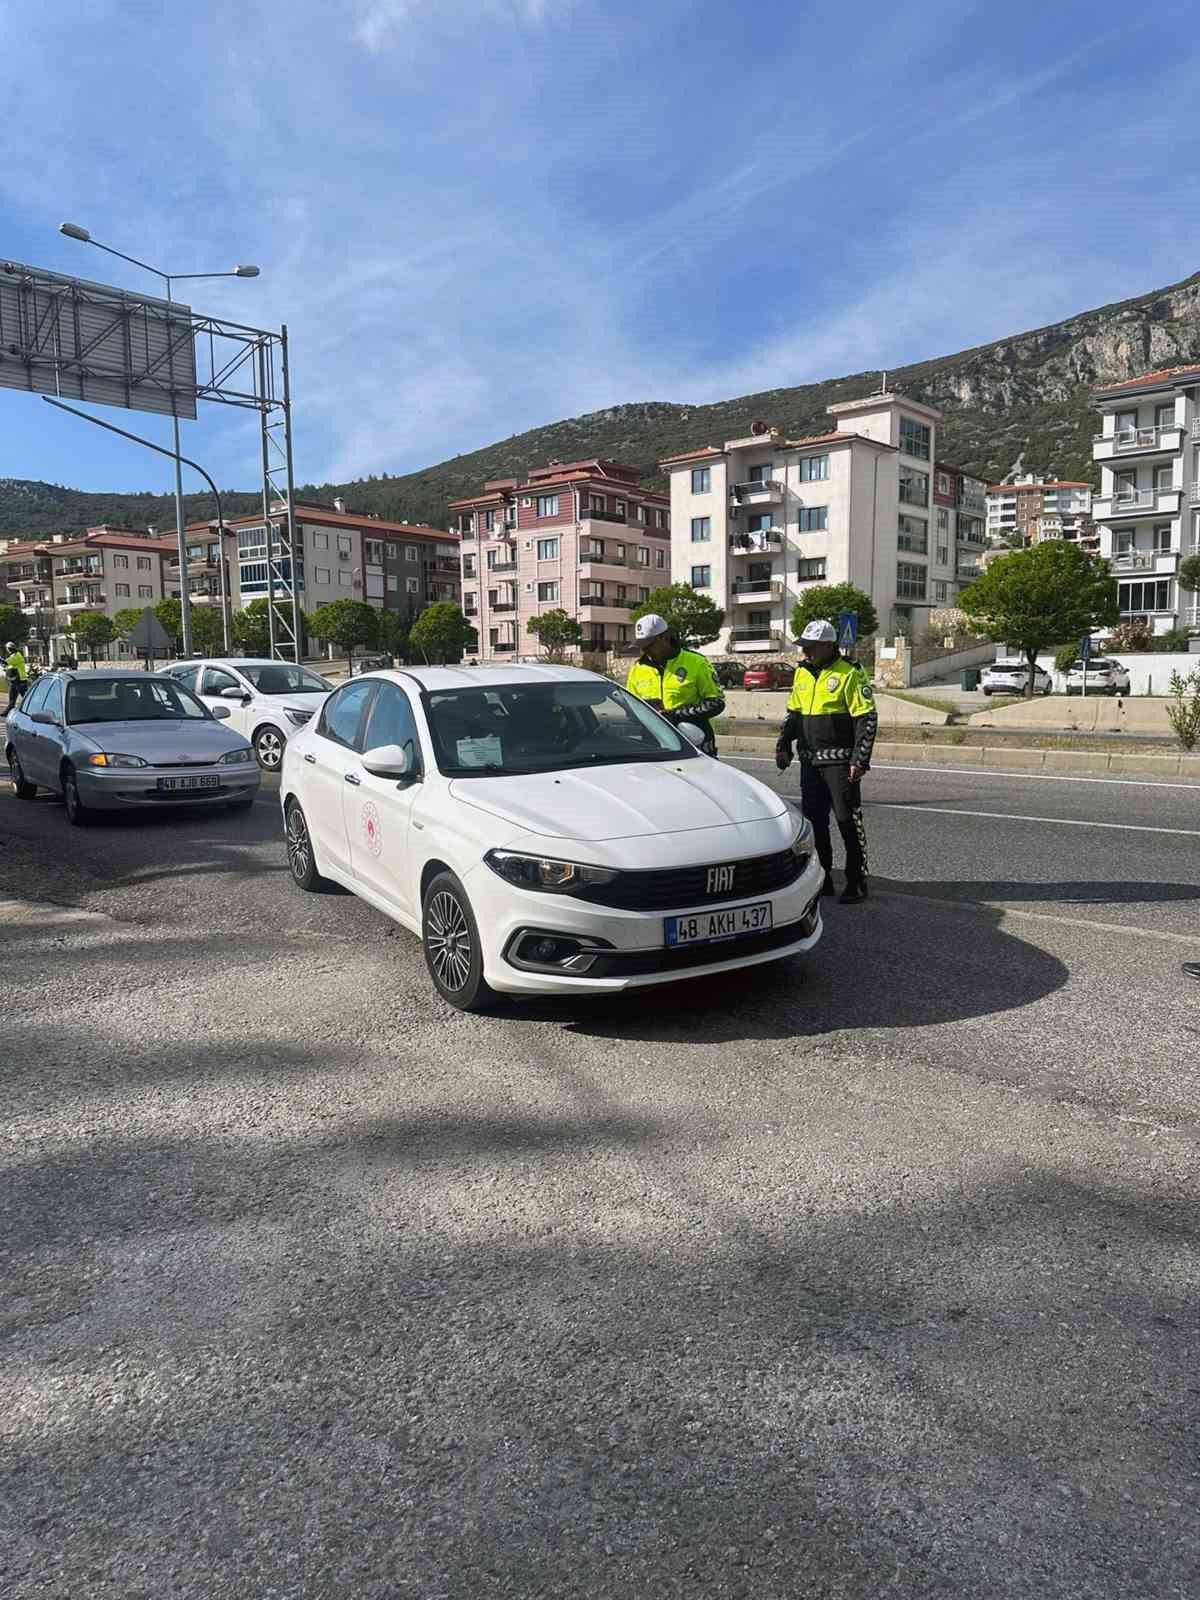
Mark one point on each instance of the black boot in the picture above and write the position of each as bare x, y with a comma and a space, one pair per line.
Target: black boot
854, 893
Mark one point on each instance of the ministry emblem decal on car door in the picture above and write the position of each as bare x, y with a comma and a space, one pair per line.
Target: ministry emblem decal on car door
371, 831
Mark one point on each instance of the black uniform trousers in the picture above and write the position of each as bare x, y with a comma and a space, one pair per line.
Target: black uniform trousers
828, 789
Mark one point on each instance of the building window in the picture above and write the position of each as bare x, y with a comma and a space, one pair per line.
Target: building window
639, 514
547, 505
547, 591
470, 604
621, 509
412, 585
468, 566
1123, 541
320, 541
122, 591
1161, 540
489, 521
121, 561
762, 473
1163, 477
145, 591
914, 438
643, 556
910, 580
759, 522
943, 483
940, 589
344, 579
701, 577
814, 469
913, 535
393, 583
619, 557
643, 595
411, 553
321, 574
814, 567
701, 480
914, 487
373, 552
943, 555
660, 519
660, 559
597, 502
1164, 415
547, 549
1141, 598
143, 563
813, 518
701, 530
344, 547
943, 520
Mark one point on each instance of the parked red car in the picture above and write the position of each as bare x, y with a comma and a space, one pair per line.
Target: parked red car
769, 675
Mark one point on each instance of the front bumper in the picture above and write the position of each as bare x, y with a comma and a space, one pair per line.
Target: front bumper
632, 952
127, 788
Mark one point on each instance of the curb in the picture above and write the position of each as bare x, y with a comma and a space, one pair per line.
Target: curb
1061, 762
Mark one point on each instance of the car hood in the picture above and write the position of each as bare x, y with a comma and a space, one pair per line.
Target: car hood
623, 801
160, 742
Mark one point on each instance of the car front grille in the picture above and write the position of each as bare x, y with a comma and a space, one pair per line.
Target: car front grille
688, 886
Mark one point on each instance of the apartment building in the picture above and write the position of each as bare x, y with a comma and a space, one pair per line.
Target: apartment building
959, 531
1034, 508
105, 569
758, 519
582, 536
1148, 509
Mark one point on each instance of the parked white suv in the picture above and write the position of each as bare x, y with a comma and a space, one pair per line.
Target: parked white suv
1104, 676
1012, 677
268, 701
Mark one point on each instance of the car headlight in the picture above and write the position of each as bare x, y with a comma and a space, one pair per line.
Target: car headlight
233, 758
111, 759
545, 873
299, 718
802, 839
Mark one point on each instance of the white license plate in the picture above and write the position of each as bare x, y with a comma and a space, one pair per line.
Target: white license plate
706, 927
189, 783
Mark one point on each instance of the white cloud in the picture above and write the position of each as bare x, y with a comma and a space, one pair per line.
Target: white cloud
381, 23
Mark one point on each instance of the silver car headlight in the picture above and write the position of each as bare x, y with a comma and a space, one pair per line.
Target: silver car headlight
110, 758
546, 873
802, 839
233, 758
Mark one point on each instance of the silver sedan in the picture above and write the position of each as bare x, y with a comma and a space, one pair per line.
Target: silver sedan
121, 741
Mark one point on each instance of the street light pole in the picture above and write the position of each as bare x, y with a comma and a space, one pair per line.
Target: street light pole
74, 231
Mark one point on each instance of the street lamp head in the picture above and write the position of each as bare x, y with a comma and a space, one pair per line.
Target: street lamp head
74, 231
245, 272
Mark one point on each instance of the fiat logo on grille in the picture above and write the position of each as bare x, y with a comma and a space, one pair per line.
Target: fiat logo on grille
720, 879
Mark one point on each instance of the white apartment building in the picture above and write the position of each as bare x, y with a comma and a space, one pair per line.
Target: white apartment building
1148, 508
1040, 508
757, 520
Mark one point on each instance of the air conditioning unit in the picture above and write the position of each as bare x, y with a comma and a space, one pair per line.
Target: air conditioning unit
528, 588
526, 500
529, 544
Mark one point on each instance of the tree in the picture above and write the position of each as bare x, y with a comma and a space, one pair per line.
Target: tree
827, 601
394, 629
1188, 576
249, 627
14, 625
92, 630
442, 633
170, 613
556, 632
693, 618
208, 629
127, 620
346, 623
1033, 597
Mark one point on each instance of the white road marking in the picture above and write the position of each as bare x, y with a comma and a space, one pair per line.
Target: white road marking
1013, 816
988, 772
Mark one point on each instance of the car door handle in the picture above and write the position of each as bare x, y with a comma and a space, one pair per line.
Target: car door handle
352, 778
311, 759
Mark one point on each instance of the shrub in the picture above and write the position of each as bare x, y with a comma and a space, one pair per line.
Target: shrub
1184, 711
1174, 640
1133, 635
1065, 657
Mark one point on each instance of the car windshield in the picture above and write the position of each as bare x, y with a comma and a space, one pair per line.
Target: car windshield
277, 677
131, 700
545, 727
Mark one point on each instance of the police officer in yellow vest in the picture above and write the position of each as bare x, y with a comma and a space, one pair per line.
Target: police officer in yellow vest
17, 673
679, 683
831, 718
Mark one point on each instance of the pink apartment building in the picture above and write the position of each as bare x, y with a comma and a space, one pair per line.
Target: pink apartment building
582, 536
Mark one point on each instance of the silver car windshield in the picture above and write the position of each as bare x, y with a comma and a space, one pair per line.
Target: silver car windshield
131, 700
276, 677
546, 727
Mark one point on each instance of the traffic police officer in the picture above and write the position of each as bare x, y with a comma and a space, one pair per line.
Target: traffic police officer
831, 717
17, 673
679, 683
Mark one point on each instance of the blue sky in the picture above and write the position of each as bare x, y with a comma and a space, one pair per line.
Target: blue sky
476, 216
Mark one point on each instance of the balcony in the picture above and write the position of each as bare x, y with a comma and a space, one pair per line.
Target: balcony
1194, 496
91, 602
1138, 441
503, 606
974, 504
503, 647
978, 539
746, 591
765, 638
1138, 503
965, 574
762, 491
592, 609
502, 566
750, 544
467, 535
1162, 563
79, 569
621, 518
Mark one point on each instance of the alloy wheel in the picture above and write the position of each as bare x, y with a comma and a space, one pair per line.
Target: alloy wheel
269, 749
299, 851
448, 940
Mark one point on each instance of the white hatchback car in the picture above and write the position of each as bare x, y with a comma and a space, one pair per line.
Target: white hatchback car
543, 831
267, 700
1104, 676
1012, 677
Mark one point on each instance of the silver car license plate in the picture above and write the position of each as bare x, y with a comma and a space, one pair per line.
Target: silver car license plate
166, 785
706, 927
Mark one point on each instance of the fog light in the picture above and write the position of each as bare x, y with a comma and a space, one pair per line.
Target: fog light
546, 952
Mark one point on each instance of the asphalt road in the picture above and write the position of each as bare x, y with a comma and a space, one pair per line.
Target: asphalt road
874, 1274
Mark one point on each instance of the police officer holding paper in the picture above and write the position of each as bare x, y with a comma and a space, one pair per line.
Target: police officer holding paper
831, 720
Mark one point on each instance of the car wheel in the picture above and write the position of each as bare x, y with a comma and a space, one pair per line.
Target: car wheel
1111, 690
22, 788
302, 863
77, 813
1047, 689
987, 691
453, 953
268, 747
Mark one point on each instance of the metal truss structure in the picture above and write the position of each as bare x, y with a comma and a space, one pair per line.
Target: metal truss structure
73, 339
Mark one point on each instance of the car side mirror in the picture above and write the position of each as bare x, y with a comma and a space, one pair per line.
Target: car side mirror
692, 732
390, 761
46, 718
221, 713
234, 694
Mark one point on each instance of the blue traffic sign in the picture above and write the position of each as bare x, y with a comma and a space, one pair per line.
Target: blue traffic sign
1085, 649
847, 629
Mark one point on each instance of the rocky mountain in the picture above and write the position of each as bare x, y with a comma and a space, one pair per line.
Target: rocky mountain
1023, 400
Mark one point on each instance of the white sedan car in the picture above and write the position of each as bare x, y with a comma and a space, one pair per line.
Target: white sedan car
267, 700
542, 831
1012, 677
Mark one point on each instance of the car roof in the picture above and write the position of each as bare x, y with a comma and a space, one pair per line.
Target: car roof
485, 677
91, 675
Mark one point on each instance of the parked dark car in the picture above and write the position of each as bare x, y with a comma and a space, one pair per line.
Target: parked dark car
371, 664
769, 675
728, 674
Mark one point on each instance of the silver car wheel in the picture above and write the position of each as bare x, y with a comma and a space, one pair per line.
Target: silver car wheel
299, 850
448, 940
268, 747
